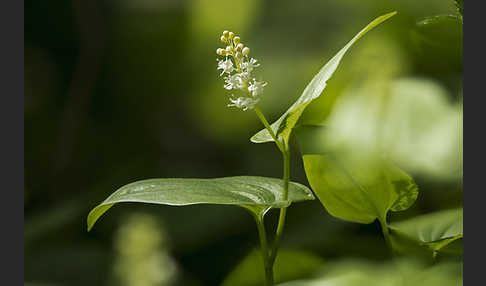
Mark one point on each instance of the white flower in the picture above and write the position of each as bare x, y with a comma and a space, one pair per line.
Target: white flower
250, 65
226, 66
244, 103
234, 82
237, 81
256, 87
237, 75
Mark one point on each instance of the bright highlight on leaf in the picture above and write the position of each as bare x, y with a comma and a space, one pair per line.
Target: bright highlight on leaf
257, 194
284, 125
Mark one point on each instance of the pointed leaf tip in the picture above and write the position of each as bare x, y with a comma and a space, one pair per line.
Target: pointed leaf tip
284, 125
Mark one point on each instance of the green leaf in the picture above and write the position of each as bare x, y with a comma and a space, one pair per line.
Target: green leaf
289, 265
284, 125
405, 189
402, 271
257, 194
440, 19
436, 231
354, 189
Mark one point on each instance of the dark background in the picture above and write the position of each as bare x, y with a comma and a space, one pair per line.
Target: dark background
117, 91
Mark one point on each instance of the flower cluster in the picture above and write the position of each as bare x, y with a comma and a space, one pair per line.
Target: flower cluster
236, 67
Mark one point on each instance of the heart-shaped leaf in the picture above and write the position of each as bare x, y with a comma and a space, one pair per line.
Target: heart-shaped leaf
289, 265
437, 231
354, 189
284, 125
257, 194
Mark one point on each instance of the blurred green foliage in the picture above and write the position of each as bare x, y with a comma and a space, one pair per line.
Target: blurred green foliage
118, 91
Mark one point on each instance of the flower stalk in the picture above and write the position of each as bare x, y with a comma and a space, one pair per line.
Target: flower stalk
236, 67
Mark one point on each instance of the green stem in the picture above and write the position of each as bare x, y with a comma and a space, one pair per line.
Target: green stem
269, 129
386, 233
283, 211
268, 268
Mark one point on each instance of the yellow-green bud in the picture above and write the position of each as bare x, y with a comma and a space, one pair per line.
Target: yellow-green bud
239, 47
245, 51
231, 35
236, 40
223, 39
228, 49
225, 34
219, 51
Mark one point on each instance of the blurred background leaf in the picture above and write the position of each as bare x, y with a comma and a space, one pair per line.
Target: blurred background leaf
289, 265
403, 272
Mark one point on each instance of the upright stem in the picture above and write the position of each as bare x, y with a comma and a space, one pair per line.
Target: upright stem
283, 211
270, 258
264, 250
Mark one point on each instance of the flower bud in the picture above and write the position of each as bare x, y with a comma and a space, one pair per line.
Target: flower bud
238, 55
223, 39
225, 34
219, 51
231, 35
236, 40
239, 47
228, 49
245, 51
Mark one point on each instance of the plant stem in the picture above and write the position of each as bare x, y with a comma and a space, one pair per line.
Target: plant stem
386, 233
269, 129
268, 267
284, 149
283, 211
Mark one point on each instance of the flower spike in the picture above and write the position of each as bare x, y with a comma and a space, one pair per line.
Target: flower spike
237, 68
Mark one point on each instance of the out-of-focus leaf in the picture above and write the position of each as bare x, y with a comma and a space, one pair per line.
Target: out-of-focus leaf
284, 125
435, 231
355, 190
404, 272
257, 194
440, 19
289, 265
405, 188
411, 121
442, 32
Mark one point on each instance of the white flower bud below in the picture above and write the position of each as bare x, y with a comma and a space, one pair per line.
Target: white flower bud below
228, 49
245, 51
239, 47
219, 51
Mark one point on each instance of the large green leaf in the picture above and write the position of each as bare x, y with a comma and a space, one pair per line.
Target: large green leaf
289, 265
437, 231
257, 194
354, 189
284, 125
